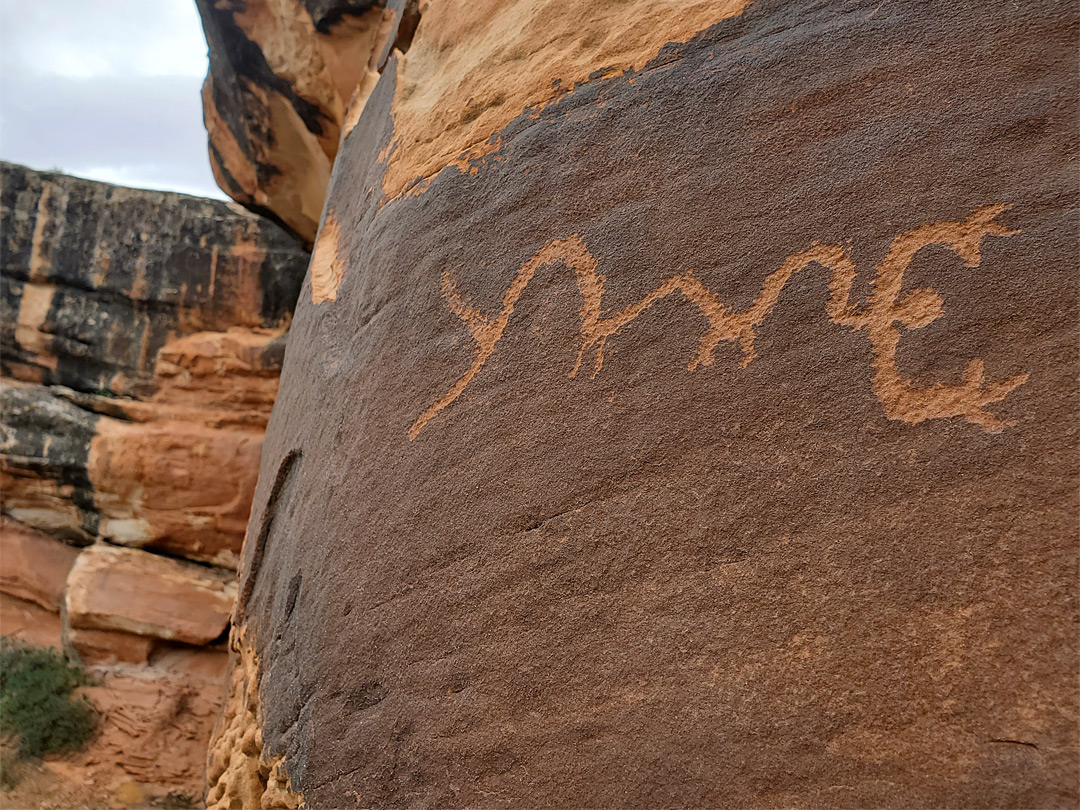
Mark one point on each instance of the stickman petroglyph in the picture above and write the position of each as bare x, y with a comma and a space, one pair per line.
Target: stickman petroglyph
879, 317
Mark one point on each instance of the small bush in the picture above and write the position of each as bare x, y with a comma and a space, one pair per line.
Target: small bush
35, 701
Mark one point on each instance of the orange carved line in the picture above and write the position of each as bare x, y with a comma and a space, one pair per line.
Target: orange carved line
878, 318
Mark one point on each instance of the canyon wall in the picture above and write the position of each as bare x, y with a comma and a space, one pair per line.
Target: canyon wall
143, 337
680, 411
142, 340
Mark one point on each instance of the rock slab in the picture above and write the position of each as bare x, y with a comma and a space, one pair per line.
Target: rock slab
132, 591
33, 565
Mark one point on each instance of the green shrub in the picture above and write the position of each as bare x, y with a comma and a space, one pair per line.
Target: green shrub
36, 706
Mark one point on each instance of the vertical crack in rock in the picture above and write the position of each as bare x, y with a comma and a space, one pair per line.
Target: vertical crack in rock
250, 574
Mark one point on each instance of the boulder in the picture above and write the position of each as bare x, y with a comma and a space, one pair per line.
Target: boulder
132, 591
697, 430
142, 341
287, 79
33, 565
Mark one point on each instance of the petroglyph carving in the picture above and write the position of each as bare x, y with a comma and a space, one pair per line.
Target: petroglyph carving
878, 318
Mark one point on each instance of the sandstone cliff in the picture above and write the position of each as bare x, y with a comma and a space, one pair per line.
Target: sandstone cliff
680, 411
142, 337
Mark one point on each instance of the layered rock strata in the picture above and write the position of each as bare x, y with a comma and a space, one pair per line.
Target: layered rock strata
34, 566
695, 430
130, 591
156, 699
142, 337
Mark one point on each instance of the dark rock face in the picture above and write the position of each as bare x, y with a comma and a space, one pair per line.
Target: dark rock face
709, 441
142, 339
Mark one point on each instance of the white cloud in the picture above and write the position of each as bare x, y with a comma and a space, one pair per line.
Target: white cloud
81, 39
108, 89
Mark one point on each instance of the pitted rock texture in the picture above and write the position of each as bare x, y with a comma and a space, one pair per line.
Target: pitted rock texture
478, 63
142, 340
748, 472
286, 79
239, 772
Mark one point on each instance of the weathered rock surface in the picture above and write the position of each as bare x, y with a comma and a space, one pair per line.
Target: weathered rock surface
706, 436
286, 79
156, 699
239, 773
92, 648
133, 591
142, 340
156, 723
33, 565
29, 622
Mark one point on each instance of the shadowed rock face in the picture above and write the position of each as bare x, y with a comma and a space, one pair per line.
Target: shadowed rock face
704, 437
142, 340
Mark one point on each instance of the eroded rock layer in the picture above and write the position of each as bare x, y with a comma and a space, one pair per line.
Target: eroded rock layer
148, 631
142, 340
705, 436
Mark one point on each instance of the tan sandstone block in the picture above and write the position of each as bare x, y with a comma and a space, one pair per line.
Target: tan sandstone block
33, 565
102, 647
137, 592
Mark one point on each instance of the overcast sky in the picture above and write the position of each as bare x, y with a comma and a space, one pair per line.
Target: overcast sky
106, 89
